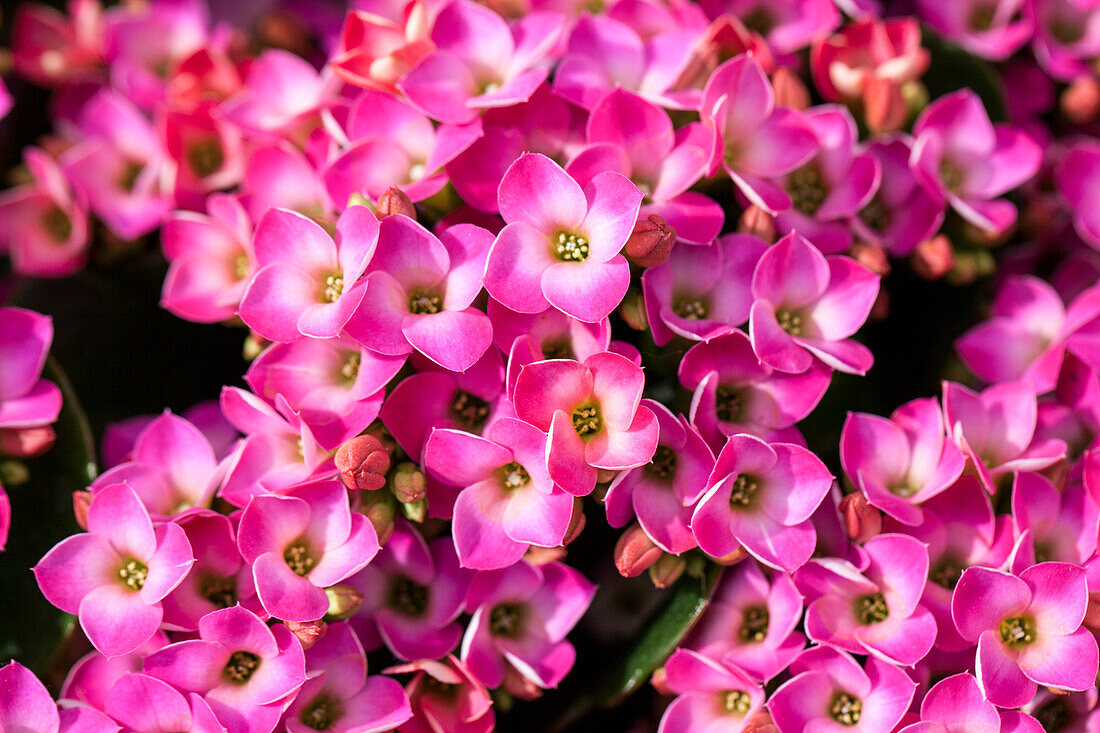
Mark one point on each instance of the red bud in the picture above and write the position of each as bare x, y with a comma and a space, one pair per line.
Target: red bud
635, 552
82, 500
363, 463
789, 89
577, 520
308, 632
861, 520
757, 222
651, 242
26, 442
934, 258
394, 201
1080, 102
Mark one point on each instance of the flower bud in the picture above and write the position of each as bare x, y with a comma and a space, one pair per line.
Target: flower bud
789, 89
363, 463
871, 256
415, 511
885, 108
308, 632
26, 442
760, 723
651, 241
380, 508
667, 570
343, 602
632, 310
518, 686
934, 258
407, 483
13, 473
394, 201
1080, 102
757, 222
82, 501
635, 552
861, 520
577, 521
543, 555
733, 558
253, 345
659, 680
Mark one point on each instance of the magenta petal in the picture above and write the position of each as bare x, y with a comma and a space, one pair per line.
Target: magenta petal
116, 620
276, 296
515, 266
984, 597
169, 564
74, 568
377, 322
118, 515
453, 339
774, 346
440, 85
565, 457
784, 548
144, 703
348, 558
25, 338
587, 291
1059, 596
192, 665
284, 594
25, 704
479, 534
462, 459
1002, 681
612, 211
622, 449
1062, 662
537, 191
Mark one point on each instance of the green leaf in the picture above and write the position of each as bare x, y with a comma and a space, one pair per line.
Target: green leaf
31, 630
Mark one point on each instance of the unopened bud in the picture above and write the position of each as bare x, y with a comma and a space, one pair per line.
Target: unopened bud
343, 602
1080, 102
408, 483
577, 521
82, 501
13, 473
934, 258
253, 345
861, 520
308, 632
635, 552
632, 310
760, 723
363, 463
659, 680
381, 509
651, 241
519, 686
885, 108
415, 511
394, 201
871, 256
358, 199
757, 222
733, 558
667, 570
971, 265
544, 555
789, 89
880, 309
26, 442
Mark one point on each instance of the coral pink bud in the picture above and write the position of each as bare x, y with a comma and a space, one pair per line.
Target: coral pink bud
1080, 102
651, 241
394, 201
408, 483
760, 723
667, 570
934, 257
343, 602
659, 680
518, 686
576, 521
544, 555
363, 463
635, 552
885, 107
26, 442
871, 256
81, 501
789, 89
861, 520
380, 509
757, 222
308, 632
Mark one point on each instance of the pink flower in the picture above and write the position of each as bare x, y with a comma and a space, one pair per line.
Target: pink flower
561, 243
479, 62
592, 415
172, 467
875, 609
445, 697
869, 62
1077, 177
701, 291
1028, 630
119, 166
901, 214
806, 306
830, 691
419, 291
334, 385
211, 260
412, 595
43, 225
751, 622
281, 92
391, 144
50, 47
90, 680
712, 694
300, 543
635, 137
243, 668
1067, 36
735, 393
995, 430
208, 152
25, 704
966, 161
339, 696
993, 30
26, 400
956, 705
789, 25
662, 493
507, 502
307, 283
761, 497
832, 186
140, 702
279, 176
115, 575
1030, 332
521, 615
755, 141
901, 462
1052, 524
375, 51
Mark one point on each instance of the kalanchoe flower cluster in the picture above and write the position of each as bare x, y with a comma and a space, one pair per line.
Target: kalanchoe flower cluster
511, 270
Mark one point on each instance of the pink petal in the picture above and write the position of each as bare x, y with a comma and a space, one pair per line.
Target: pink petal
588, 291
537, 191
116, 620
515, 266
453, 339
